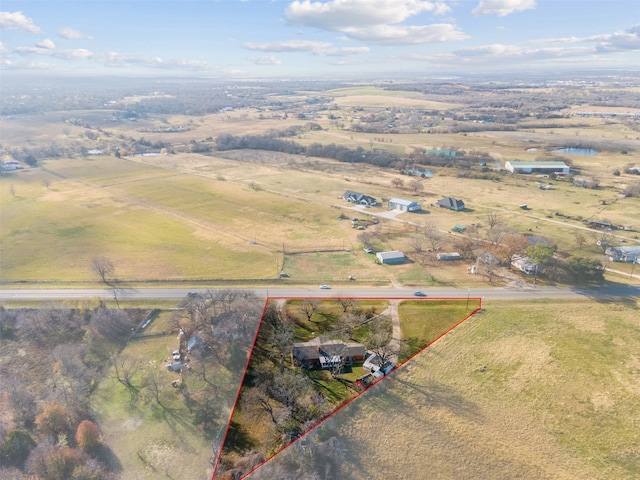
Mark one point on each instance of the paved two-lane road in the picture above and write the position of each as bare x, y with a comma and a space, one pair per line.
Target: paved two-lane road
178, 293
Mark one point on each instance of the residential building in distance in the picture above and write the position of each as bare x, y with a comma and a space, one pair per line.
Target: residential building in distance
451, 204
359, 198
624, 254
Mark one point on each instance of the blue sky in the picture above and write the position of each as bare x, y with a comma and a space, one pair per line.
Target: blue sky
317, 39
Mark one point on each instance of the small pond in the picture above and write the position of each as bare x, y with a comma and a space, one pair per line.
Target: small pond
587, 152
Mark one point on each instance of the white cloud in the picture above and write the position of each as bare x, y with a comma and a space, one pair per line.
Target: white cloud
71, 34
407, 35
622, 40
323, 49
287, 46
337, 15
265, 60
17, 21
375, 21
47, 44
343, 52
502, 8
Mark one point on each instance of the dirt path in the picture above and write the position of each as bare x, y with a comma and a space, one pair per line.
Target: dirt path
396, 334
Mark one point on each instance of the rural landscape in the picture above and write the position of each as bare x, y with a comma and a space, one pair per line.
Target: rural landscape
234, 192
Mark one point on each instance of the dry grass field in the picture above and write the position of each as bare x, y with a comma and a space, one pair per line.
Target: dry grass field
533, 389
198, 217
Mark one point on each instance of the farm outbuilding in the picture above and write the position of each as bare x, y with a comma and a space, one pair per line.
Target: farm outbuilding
448, 256
536, 167
404, 205
390, 258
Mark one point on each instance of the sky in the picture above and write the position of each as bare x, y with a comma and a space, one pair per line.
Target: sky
316, 38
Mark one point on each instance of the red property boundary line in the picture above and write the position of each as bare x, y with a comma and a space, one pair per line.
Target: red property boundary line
320, 422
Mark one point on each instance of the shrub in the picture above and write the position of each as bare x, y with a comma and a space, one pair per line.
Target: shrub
53, 420
87, 435
16, 448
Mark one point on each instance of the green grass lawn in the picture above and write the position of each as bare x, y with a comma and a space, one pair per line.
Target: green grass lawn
422, 322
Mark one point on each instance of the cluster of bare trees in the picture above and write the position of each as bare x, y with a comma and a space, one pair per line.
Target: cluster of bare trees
47, 430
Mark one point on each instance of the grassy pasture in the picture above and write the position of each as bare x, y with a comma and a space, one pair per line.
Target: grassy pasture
527, 389
421, 323
190, 216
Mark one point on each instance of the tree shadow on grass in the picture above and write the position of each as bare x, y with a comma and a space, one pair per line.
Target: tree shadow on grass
238, 439
439, 395
104, 454
610, 292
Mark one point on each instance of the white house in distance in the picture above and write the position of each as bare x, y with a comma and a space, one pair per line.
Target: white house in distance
624, 254
536, 167
404, 205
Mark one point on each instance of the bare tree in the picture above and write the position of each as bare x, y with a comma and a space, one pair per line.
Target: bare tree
397, 183
433, 236
416, 186
350, 321
581, 239
511, 244
104, 268
258, 399
282, 341
125, 371
348, 304
309, 308
605, 240
494, 220
487, 264
496, 234
417, 242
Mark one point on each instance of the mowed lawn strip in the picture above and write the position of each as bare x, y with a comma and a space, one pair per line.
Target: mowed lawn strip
423, 321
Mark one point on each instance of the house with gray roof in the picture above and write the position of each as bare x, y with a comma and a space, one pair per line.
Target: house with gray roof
358, 198
319, 353
451, 203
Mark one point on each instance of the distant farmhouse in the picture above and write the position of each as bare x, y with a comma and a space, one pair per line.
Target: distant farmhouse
524, 264
390, 258
451, 203
404, 205
359, 198
537, 167
11, 165
624, 254
318, 353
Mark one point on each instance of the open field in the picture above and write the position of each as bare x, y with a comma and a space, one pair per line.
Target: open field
156, 224
533, 389
199, 216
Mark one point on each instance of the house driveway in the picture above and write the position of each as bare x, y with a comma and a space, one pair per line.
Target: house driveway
396, 334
